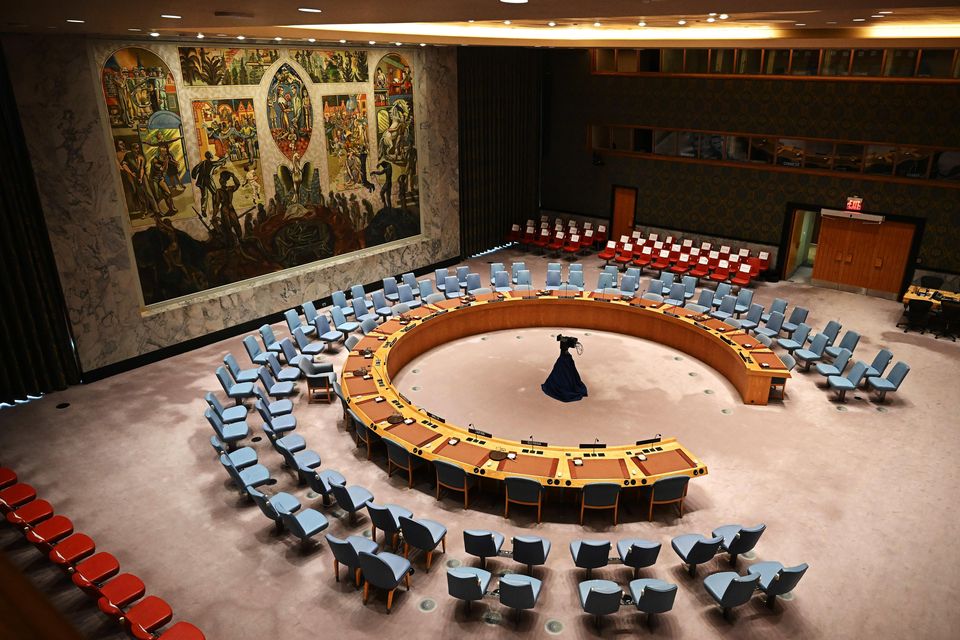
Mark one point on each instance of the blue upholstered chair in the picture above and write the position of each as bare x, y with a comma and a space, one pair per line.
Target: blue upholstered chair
764, 340
814, 353
274, 388
237, 413
690, 287
849, 341
434, 298
482, 544
411, 281
652, 596
531, 551
383, 571
575, 280
401, 308
796, 340
280, 372
390, 291
380, 305
386, 517
302, 461
370, 323
776, 579
351, 499
309, 312
236, 390
257, 355
346, 552
272, 506
279, 424
891, 383
675, 296
241, 375
753, 317
425, 287
613, 271
842, 384
424, 535
695, 549
453, 477
876, 368
669, 490
462, 272
440, 277
322, 481
340, 301
306, 346
590, 554
652, 294
515, 270
501, 281
275, 408
293, 321
723, 289
523, 491
524, 281
452, 288
604, 281
628, 285
725, 310
703, 303
254, 475
771, 327
496, 267
579, 267
600, 598
554, 266
600, 495
738, 539
361, 312
400, 458
240, 458
553, 280
797, 316
406, 296
519, 592
744, 300
270, 342
730, 589
638, 553
836, 367
467, 583
473, 283
357, 293
779, 306
291, 355
832, 330
340, 322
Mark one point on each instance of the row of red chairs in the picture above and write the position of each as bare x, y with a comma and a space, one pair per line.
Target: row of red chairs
571, 239
118, 595
717, 265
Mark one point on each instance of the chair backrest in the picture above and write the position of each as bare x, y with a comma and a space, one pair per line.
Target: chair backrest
337, 313
650, 295
381, 518
744, 298
576, 279
601, 494
603, 598
343, 551
755, 313
494, 268
779, 304
369, 325
856, 373
592, 554
351, 342
410, 280
341, 495
842, 359
501, 279
689, 284
440, 275
819, 342
377, 571
292, 318
462, 272
473, 281
516, 268
628, 285
274, 363
357, 292
339, 299
517, 592
723, 289
789, 362
266, 334
253, 349
746, 539
677, 291
881, 360
530, 549
850, 340
479, 543
463, 584
400, 308
523, 277
323, 325
670, 488
786, 580
554, 266
732, 322
425, 287
379, 300
397, 454
703, 550
215, 421
898, 373
657, 598
433, 298
831, 331
576, 266
232, 363
728, 304
765, 340
224, 379
798, 315
261, 501
739, 590
667, 279
523, 489
415, 533
706, 298
775, 321
359, 308
449, 474
553, 278
800, 335
390, 284
604, 280
215, 404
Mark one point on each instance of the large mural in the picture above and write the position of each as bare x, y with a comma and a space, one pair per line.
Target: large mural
290, 112
205, 67
204, 216
333, 66
141, 100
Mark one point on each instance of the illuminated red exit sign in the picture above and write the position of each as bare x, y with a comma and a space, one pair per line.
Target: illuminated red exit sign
854, 203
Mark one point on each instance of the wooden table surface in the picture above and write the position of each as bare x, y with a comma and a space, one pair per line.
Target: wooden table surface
916, 292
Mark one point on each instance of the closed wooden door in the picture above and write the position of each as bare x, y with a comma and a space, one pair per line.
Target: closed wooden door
890, 256
624, 208
830, 249
857, 263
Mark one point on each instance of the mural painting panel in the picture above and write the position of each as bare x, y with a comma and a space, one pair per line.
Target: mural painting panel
141, 100
290, 112
202, 66
345, 126
333, 66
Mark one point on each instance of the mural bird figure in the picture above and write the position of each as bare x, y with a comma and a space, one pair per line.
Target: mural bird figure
296, 178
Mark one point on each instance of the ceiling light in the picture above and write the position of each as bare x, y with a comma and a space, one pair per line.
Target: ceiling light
399, 44
859, 19
373, 42
885, 12
711, 19
831, 22
681, 22
471, 21
423, 44
641, 24
514, 1
711, 14
342, 41
551, 24
154, 34
200, 36
723, 16
879, 15
277, 39
507, 22
134, 29
801, 24
75, 21
170, 16
309, 10
241, 37
596, 24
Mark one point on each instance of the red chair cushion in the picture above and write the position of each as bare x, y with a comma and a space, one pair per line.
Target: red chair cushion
182, 631
31, 513
16, 495
73, 549
95, 570
120, 592
8, 477
49, 531
148, 614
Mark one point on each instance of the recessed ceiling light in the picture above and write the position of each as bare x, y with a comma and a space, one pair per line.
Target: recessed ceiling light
170, 16
514, 1
154, 34
885, 12
399, 44
241, 37
471, 21
831, 22
314, 40
596, 24
507, 22
859, 19
641, 24
879, 15
373, 42
711, 14
343, 41
681, 22
801, 24
551, 24
277, 39
309, 10
200, 36
134, 29
423, 44
75, 21
711, 19
723, 16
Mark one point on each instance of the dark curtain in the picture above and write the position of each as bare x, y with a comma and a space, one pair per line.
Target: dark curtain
499, 105
36, 348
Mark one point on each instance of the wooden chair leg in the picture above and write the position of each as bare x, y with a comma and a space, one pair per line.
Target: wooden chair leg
443, 543
356, 577
506, 508
406, 580
373, 533
410, 473
390, 599
581, 512
539, 505
438, 489
650, 513
429, 559
336, 570
406, 550
466, 496
366, 591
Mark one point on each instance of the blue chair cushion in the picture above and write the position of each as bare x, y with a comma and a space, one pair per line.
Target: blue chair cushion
881, 384
398, 565
728, 533
637, 586
437, 530
312, 521
235, 431
255, 475
286, 422
233, 414
624, 546
359, 496
359, 543
280, 407
827, 370
805, 354
243, 457
284, 502
767, 570
839, 382
603, 586
717, 583
786, 343
683, 544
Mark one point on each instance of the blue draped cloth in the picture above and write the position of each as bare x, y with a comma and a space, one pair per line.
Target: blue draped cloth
564, 383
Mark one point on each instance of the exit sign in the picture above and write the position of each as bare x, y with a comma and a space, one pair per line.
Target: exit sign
854, 203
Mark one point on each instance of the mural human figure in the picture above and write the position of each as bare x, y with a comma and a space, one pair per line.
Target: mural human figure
158, 185
229, 221
202, 174
251, 179
143, 181
129, 169
386, 170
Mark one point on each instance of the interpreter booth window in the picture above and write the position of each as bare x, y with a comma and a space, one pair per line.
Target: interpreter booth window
849, 158
606, 60
749, 61
912, 162
879, 159
738, 148
721, 60
790, 152
867, 62
805, 62
819, 155
836, 62
936, 63
665, 143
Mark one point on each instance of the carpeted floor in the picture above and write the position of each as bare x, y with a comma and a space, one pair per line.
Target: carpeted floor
861, 492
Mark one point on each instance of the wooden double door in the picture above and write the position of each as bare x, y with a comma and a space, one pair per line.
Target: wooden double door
864, 255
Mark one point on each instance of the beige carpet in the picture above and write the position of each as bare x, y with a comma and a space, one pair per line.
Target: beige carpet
864, 495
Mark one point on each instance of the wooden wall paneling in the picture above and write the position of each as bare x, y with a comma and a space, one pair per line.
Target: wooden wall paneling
624, 210
829, 261
891, 256
861, 241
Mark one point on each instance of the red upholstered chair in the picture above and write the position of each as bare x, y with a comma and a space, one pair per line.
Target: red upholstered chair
624, 255
30, 514
705, 247
754, 263
145, 617
514, 235
724, 252
8, 477
15, 496
49, 532
89, 574
674, 252
601, 238
644, 258
668, 240
71, 550
542, 240
182, 631
118, 593
662, 261
701, 269
721, 273
764, 260
586, 243
687, 245
609, 252
556, 245
743, 276
682, 265
528, 236
714, 257
572, 245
